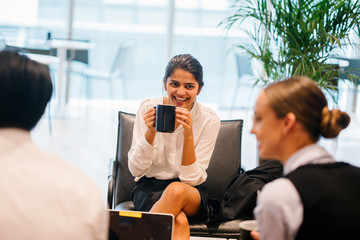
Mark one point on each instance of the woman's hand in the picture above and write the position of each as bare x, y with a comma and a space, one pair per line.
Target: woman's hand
255, 235
150, 118
183, 117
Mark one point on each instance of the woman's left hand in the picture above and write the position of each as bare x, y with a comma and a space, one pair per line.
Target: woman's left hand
183, 117
255, 235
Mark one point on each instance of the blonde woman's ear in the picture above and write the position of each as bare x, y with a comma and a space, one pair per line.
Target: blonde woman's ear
289, 121
291, 117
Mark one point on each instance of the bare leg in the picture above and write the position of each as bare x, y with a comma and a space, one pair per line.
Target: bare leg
181, 227
181, 200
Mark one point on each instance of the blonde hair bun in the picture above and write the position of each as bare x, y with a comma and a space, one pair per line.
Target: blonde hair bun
333, 121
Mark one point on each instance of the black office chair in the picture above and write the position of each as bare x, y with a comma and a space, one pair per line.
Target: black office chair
225, 164
2, 41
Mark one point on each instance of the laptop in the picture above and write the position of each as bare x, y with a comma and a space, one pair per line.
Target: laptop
135, 225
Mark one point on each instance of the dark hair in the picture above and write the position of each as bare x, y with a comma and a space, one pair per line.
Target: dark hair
25, 90
302, 97
185, 62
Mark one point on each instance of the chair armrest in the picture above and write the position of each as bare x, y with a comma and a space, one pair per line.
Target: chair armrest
111, 183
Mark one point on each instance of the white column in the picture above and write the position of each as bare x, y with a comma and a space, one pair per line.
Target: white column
69, 37
70, 19
170, 30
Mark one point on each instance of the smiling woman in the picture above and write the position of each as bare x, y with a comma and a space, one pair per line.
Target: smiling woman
182, 89
169, 167
183, 81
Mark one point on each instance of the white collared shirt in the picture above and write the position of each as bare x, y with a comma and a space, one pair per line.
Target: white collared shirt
279, 209
45, 197
162, 160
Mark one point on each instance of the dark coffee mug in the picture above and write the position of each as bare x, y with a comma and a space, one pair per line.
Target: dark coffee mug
165, 118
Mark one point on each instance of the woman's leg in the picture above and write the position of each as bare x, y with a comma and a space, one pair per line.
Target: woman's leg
181, 227
181, 200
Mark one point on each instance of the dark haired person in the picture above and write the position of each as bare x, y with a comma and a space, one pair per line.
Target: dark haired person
318, 198
169, 167
42, 196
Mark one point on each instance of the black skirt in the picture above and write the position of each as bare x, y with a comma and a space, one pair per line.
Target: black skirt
147, 192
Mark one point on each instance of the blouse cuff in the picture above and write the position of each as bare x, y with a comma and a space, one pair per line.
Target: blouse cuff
190, 174
146, 146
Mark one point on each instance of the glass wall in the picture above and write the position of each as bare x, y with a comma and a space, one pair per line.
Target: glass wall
144, 23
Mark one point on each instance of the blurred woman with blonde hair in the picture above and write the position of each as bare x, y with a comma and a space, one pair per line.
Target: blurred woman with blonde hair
318, 197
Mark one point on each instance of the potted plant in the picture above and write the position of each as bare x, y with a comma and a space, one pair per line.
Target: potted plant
297, 37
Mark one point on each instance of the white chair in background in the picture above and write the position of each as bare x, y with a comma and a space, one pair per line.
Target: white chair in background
117, 71
352, 73
244, 68
2, 41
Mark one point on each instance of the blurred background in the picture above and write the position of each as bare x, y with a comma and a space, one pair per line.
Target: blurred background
156, 30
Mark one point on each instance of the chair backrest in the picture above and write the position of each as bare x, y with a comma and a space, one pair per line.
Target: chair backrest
78, 55
2, 41
124, 179
243, 64
120, 59
225, 162
353, 70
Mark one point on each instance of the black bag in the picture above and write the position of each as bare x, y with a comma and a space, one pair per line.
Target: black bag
240, 197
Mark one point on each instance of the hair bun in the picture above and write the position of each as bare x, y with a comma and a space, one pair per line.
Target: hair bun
333, 121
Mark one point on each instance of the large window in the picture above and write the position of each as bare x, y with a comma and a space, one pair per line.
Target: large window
145, 23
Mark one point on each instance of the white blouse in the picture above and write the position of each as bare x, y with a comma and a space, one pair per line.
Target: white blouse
162, 160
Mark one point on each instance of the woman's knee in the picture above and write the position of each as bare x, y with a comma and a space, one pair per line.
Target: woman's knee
182, 197
176, 190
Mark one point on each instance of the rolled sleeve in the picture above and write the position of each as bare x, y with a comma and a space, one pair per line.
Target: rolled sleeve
142, 153
141, 157
193, 174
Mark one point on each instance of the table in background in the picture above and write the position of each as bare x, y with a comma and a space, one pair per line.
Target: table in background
43, 59
62, 46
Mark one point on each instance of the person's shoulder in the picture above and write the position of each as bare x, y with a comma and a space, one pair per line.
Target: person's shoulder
273, 193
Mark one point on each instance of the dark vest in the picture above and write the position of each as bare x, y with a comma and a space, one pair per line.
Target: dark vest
330, 194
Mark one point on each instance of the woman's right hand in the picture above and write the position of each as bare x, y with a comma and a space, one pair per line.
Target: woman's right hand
150, 118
